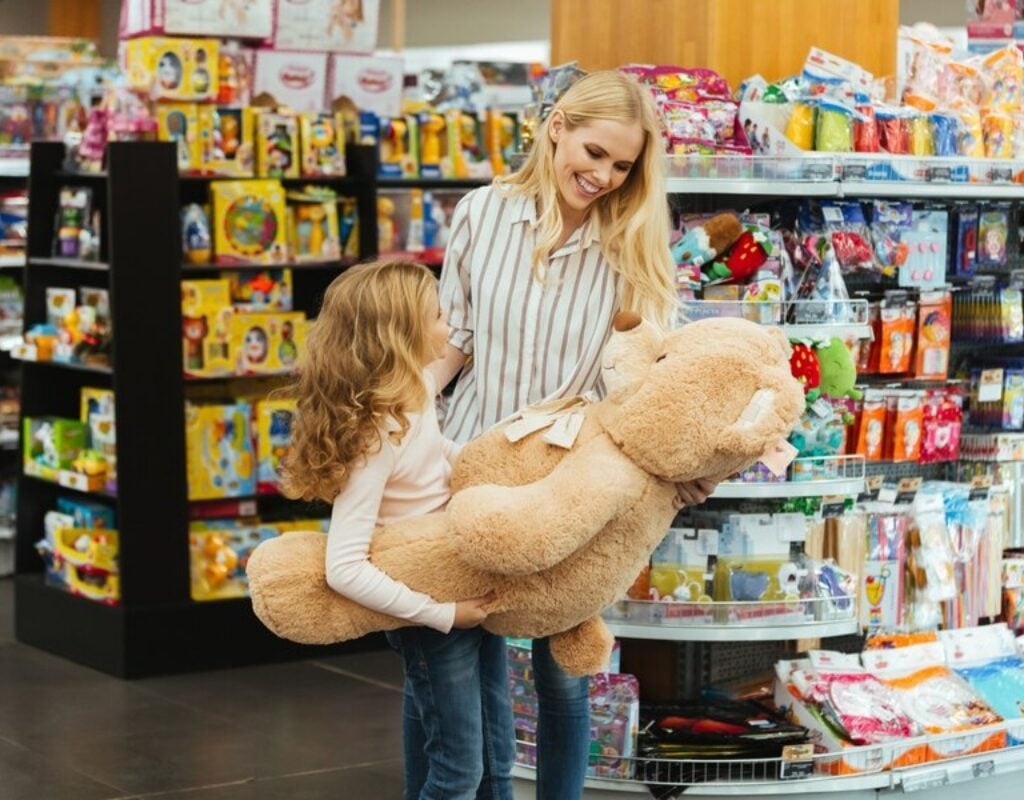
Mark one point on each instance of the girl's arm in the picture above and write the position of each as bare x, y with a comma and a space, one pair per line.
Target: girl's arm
349, 570
447, 367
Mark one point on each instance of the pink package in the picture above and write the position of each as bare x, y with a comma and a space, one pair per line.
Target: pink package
238, 19
336, 26
373, 83
296, 80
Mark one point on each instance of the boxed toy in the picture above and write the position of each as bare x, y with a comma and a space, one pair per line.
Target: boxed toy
268, 343
217, 559
85, 514
179, 123
398, 145
248, 19
273, 438
277, 144
172, 69
249, 221
373, 83
322, 138
313, 232
340, 26
98, 414
295, 80
266, 290
206, 327
219, 454
87, 559
232, 141
51, 444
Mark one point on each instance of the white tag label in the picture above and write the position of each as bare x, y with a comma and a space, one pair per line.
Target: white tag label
791, 527
990, 388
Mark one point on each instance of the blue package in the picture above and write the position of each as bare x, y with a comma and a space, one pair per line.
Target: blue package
966, 239
1000, 683
87, 514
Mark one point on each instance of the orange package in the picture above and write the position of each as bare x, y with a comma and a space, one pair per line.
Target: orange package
935, 320
897, 339
904, 420
871, 430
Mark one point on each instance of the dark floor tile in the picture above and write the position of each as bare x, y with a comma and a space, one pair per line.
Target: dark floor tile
6, 610
380, 781
384, 666
25, 775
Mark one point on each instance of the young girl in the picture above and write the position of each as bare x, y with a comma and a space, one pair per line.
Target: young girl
367, 438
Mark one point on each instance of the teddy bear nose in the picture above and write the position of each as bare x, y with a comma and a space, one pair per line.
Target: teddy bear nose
626, 321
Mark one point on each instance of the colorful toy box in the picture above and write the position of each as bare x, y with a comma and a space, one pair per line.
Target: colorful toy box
172, 69
273, 438
249, 221
313, 232
217, 559
85, 514
87, 560
51, 444
295, 80
248, 19
399, 144
266, 290
232, 142
322, 138
219, 454
98, 414
373, 83
268, 343
341, 26
277, 144
179, 123
206, 327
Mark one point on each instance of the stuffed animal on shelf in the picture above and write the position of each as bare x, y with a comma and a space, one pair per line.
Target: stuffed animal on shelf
805, 367
838, 370
702, 244
743, 260
558, 531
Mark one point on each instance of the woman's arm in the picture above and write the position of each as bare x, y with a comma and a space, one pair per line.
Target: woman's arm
349, 570
447, 367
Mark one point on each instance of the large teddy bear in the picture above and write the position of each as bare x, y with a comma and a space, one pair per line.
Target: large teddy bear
559, 533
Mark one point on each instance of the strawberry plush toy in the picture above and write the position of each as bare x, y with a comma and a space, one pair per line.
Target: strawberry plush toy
805, 367
743, 260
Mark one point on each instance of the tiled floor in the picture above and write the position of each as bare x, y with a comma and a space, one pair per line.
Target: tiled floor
313, 730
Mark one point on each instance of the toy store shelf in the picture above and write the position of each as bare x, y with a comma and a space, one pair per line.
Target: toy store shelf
14, 167
12, 261
75, 176
738, 490
70, 263
296, 266
432, 183
45, 482
827, 331
853, 313
764, 187
211, 379
946, 191
761, 631
68, 365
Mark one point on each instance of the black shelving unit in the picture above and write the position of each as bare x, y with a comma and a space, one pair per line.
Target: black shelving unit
157, 628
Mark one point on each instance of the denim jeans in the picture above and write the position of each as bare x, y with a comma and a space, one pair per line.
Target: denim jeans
563, 727
457, 728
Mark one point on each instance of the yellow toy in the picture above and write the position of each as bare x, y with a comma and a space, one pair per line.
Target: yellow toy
502, 135
97, 411
433, 147
218, 557
218, 449
385, 225
273, 438
399, 147
173, 69
263, 290
179, 123
313, 225
87, 559
277, 144
206, 327
323, 144
232, 141
267, 343
249, 221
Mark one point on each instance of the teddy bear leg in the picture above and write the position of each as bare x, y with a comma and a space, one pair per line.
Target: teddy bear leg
585, 649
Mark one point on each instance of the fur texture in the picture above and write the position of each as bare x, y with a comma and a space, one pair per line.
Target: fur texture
559, 535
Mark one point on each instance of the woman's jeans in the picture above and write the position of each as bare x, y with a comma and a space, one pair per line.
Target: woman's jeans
458, 737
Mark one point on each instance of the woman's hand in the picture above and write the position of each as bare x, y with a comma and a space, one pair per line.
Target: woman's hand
695, 492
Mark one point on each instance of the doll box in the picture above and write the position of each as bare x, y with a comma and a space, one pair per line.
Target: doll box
219, 454
273, 438
232, 142
217, 560
243, 19
268, 343
172, 69
249, 221
179, 123
339, 26
296, 80
277, 144
373, 83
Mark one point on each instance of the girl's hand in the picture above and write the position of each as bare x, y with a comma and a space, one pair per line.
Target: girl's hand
693, 493
470, 613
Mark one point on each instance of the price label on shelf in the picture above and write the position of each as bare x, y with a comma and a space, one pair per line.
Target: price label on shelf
797, 762
980, 486
990, 387
833, 506
907, 489
872, 486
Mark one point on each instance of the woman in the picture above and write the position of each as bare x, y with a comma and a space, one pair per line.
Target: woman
536, 267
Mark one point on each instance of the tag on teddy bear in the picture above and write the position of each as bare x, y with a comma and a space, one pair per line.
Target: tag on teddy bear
565, 430
778, 456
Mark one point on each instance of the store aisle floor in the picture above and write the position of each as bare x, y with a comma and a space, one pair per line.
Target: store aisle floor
308, 730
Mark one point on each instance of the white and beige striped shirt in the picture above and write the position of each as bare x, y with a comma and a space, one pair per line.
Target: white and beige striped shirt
528, 341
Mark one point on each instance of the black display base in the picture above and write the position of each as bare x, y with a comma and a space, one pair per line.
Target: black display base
155, 640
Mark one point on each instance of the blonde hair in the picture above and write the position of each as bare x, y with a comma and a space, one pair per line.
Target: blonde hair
634, 218
362, 368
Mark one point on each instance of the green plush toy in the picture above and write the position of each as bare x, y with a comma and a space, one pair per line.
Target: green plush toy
838, 372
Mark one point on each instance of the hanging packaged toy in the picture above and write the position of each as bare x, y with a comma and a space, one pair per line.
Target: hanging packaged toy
866, 136
889, 221
945, 130
997, 131
800, 128
926, 242
871, 426
920, 135
972, 138
904, 424
993, 236
894, 130
966, 215
934, 328
884, 569
274, 420
277, 144
232, 142
896, 345
942, 420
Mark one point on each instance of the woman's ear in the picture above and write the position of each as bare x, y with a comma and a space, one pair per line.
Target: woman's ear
556, 124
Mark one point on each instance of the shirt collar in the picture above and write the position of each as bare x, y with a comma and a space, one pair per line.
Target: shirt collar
524, 209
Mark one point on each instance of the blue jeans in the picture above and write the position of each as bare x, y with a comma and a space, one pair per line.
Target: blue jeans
457, 728
563, 727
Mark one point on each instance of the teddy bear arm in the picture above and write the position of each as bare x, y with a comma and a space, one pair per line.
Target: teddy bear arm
518, 530
585, 649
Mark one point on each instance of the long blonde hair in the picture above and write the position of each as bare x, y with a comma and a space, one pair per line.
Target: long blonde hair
634, 218
362, 368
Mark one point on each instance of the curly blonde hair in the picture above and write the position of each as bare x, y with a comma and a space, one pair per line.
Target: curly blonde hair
634, 218
362, 368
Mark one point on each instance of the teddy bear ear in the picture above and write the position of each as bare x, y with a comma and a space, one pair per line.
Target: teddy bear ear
626, 321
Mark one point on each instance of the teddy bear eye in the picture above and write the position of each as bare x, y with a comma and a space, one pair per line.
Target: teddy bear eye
662, 357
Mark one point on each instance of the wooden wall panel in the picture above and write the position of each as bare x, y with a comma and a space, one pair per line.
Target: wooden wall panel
80, 18
735, 37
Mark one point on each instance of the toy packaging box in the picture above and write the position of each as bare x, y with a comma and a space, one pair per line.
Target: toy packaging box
322, 138
217, 559
373, 83
340, 26
277, 145
206, 327
84, 561
273, 438
51, 444
313, 231
98, 414
244, 19
249, 221
296, 80
219, 453
172, 69
232, 142
179, 123
266, 290
267, 343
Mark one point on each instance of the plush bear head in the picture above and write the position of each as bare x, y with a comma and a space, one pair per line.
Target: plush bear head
748, 397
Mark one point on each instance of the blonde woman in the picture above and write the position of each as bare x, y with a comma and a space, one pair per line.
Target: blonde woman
536, 267
366, 438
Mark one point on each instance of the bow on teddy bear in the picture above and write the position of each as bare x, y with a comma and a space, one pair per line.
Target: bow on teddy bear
558, 534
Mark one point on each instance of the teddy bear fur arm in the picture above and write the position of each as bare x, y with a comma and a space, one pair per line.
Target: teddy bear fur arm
517, 530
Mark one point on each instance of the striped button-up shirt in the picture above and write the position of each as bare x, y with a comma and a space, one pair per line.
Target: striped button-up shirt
528, 341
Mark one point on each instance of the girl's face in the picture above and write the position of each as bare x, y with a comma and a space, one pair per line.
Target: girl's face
437, 329
593, 160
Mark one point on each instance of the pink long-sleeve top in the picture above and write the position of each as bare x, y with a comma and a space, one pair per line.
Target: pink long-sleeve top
403, 480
